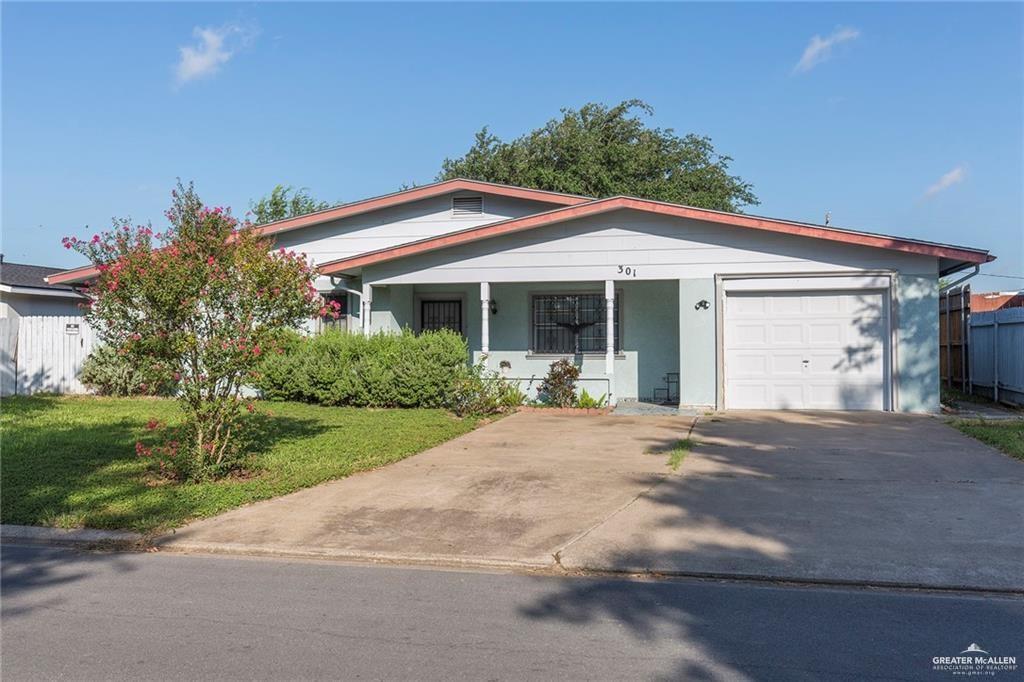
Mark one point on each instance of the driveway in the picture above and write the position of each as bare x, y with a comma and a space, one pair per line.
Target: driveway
860, 497
873, 497
513, 492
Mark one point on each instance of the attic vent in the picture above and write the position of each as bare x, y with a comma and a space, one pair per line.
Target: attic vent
467, 206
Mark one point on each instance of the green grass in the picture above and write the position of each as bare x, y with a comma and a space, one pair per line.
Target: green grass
676, 452
1007, 436
70, 461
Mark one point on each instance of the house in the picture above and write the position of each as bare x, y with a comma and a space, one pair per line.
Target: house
652, 300
996, 300
43, 338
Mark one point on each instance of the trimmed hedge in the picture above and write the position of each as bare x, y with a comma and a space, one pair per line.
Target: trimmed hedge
380, 370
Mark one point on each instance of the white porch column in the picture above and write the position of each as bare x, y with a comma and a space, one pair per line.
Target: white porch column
485, 321
366, 302
609, 304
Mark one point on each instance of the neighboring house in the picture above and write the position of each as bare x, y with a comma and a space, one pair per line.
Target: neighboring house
43, 338
996, 300
652, 300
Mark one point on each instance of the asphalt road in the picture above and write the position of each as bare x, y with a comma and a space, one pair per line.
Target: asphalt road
70, 615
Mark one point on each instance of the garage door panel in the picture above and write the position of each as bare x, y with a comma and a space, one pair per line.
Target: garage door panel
809, 350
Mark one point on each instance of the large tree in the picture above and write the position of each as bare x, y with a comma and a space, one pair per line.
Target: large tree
602, 151
284, 201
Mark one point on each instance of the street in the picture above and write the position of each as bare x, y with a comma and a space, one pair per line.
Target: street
74, 615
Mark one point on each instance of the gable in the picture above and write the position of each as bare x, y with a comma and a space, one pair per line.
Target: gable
652, 246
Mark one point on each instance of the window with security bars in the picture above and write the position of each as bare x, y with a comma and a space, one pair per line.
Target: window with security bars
436, 315
572, 323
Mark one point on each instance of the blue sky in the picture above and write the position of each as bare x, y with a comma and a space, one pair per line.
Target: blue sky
906, 119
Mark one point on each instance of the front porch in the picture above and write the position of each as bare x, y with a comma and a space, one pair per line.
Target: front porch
519, 329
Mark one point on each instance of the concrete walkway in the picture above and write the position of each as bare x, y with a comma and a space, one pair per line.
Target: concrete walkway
859, 497
512, 493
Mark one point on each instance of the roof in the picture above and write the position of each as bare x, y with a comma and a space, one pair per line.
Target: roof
29, 276
960, 254
376, 203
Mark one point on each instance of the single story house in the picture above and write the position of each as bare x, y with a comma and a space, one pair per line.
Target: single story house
43, 337
654, 301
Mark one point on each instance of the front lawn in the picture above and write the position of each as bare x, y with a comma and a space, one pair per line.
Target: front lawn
70, 461
1007, 435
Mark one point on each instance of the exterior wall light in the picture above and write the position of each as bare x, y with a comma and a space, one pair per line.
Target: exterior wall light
702, 305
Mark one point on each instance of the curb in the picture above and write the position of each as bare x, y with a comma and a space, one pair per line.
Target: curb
83, 538
167, 544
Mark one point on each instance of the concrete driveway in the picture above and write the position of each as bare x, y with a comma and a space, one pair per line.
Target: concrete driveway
513, 492
860, 497
873, 497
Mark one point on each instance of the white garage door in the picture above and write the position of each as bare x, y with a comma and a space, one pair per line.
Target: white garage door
821, 350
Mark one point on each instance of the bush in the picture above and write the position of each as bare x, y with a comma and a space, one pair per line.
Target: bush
109, 373
559, 386
477, 391
380, 370
588, 401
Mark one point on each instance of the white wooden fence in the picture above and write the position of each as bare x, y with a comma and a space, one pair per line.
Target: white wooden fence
997, 354
43, 354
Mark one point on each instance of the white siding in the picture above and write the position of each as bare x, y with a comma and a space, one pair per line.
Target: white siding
652, 246
399, 225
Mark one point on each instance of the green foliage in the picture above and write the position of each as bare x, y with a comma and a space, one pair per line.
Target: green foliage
477, 391
90, 475
109, 373
590, 402
200, 303
602, 151
284, 202
379, 370
559, 387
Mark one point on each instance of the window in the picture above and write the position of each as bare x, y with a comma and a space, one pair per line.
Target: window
466, 206
328, 320
436, 315
572, 323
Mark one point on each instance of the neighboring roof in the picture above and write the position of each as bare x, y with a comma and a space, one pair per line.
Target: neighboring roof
996, 300
29, 276
960, 254
377, 203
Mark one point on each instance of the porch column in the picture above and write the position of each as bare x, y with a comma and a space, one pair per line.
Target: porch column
365, 302
485, 321
609, 304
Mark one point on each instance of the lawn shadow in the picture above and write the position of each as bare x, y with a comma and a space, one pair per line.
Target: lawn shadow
70, 474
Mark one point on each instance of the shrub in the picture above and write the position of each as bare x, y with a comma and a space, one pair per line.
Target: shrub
477, 391
590, 402
110, 373
559, 386
380, 370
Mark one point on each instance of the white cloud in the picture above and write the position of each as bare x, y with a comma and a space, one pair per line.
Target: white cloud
951, 178
214, 47
820, 49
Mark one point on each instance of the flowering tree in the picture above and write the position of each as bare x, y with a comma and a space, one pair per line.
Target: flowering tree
201, 301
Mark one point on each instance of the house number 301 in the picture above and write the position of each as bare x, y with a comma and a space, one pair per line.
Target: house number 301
627, 270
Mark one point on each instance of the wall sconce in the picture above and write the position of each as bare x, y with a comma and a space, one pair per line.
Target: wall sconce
702, 305
494, 307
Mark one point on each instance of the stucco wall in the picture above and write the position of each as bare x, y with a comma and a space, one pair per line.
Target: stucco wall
21, 305
917, 359
698, 360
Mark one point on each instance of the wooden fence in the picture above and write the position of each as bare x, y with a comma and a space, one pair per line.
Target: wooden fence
954, 360
43, 354
981, 352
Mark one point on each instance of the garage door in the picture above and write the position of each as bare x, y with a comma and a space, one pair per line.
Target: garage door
822, 350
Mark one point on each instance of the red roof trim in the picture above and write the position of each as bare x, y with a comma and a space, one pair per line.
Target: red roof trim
614, 203
373, 204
